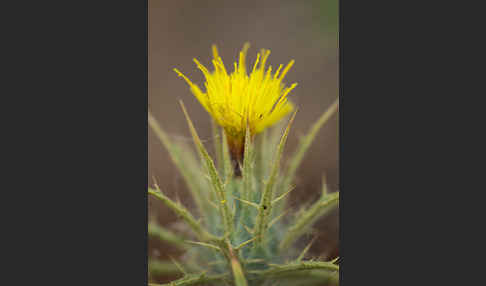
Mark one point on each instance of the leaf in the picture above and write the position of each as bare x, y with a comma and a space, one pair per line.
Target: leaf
265, 207
308, 217
213, 174
159, 232
187, 168
183, 213
306, 141
156, 267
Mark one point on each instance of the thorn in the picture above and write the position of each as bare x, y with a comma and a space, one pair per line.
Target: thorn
207, 177
216, 262
283, 195
178, 199
212, 203
178, 265
203, 244
155, 182
247, 202
324, 185
302, 254
257, 260
244, 243
335, 260
277, 218
249, 230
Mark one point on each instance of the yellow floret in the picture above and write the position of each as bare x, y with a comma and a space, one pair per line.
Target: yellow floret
236, 100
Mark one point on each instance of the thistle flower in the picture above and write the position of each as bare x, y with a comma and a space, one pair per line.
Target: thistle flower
238, 101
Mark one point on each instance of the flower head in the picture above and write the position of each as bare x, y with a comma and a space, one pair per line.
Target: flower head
237, 100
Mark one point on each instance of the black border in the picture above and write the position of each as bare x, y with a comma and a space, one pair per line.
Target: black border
77, 165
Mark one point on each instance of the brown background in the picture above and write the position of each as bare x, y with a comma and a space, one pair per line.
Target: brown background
302, 30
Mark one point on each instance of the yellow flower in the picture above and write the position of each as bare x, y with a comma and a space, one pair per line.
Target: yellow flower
238, 100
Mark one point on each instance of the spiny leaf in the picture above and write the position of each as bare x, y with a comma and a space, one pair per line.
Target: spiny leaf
306, 141
304, 221
156, 231
156, 267
265, 207
213, 173
183, 213
185, 167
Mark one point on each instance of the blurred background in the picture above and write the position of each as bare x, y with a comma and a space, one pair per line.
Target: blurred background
306, 31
